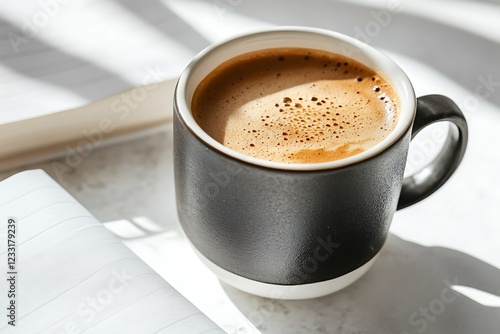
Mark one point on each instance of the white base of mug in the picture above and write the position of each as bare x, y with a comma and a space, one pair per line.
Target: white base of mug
275, 291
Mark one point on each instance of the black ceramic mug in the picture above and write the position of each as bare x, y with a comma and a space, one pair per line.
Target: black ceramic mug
301, 230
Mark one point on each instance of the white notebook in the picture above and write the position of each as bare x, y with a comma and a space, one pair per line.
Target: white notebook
71, 275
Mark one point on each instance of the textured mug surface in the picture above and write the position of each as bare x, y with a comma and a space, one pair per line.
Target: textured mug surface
288, 225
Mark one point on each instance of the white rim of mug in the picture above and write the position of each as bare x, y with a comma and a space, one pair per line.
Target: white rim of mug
292, 36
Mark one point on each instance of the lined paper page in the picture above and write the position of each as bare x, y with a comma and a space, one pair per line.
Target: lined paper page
74, 276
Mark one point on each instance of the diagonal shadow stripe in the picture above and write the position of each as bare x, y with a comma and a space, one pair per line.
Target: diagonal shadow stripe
39, 60
167, 22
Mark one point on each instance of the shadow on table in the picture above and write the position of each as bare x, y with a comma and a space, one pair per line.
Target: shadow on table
460, 54
165, 21
42, 61
410, 289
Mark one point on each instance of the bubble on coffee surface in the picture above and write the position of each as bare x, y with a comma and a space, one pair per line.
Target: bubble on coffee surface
321, 106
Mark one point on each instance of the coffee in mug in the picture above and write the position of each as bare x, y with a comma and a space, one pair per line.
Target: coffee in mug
295, 105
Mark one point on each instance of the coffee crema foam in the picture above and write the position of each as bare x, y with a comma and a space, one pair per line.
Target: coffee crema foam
295, 105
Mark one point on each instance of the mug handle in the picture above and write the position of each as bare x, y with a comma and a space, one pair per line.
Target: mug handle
431, 109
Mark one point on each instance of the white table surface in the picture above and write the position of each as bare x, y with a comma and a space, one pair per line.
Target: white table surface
451, 238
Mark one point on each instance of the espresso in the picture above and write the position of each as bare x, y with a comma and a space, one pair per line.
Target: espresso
295, 105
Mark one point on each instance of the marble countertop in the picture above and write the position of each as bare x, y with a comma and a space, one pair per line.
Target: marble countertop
439, 271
